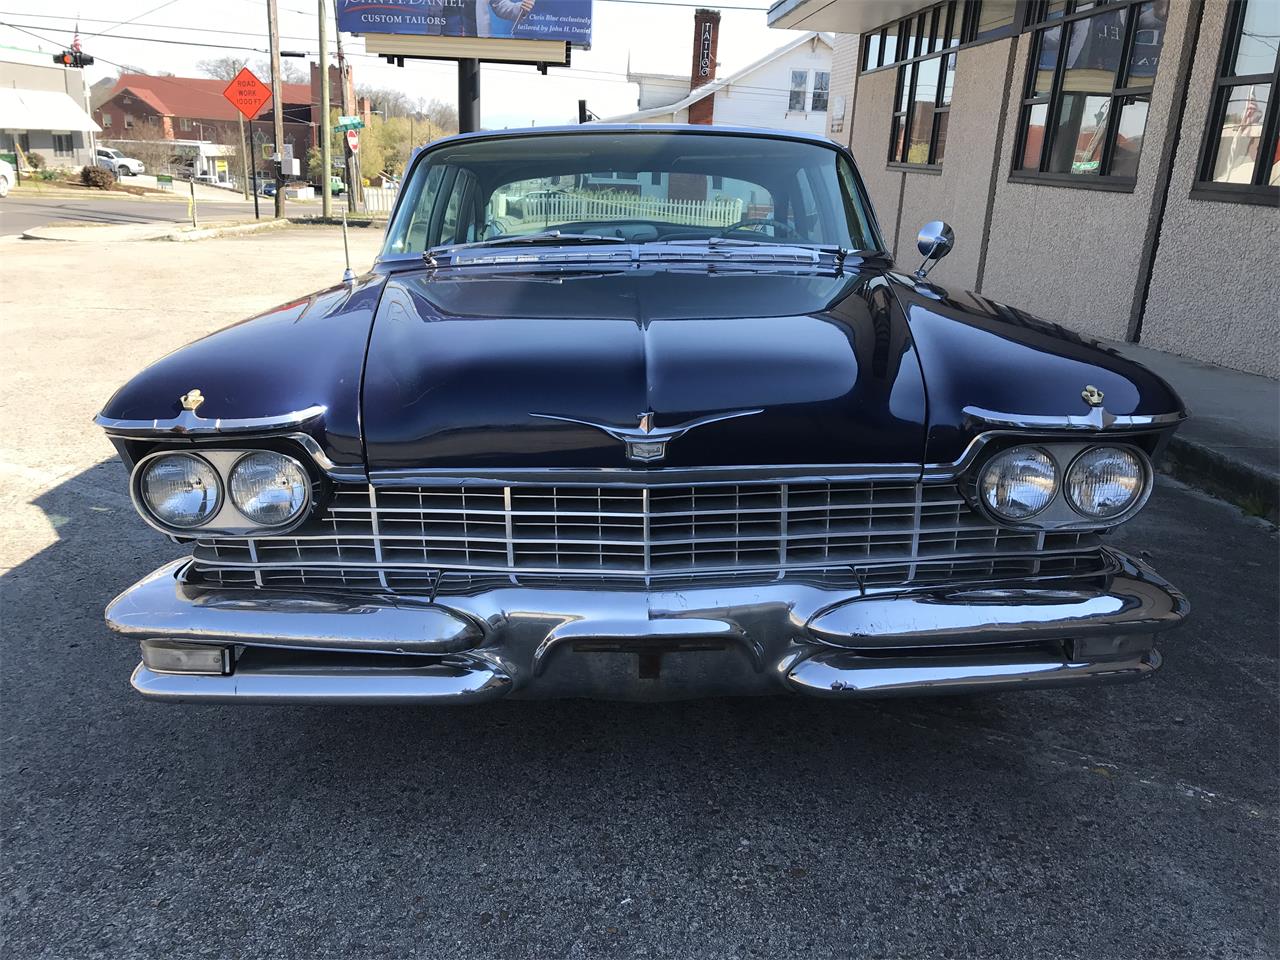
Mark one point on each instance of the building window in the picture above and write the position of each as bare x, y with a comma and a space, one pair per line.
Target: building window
106, 121
63, 145
185, 123
940, 27
922, 107
821, 91
799, 88
128, 121
1240, 158
1088, 89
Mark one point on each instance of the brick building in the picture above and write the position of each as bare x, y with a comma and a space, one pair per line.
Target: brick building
145, 107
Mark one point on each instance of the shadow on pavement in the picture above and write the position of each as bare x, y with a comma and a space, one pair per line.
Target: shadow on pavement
1117, 822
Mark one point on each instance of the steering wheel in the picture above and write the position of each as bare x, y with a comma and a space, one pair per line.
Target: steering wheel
742, 226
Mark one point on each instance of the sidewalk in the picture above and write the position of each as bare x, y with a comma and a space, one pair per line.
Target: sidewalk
1231, 444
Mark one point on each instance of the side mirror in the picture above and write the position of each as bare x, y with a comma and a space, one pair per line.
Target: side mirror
934, 241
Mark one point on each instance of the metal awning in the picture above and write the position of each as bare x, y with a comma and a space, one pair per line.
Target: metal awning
42, 110
841, 16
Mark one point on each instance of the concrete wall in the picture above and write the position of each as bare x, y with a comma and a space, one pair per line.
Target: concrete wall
1072, 255
844, 78
959, 194
906, 200
869, 141
1213, 289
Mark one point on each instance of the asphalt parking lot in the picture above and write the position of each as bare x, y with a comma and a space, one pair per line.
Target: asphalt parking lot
1122, 822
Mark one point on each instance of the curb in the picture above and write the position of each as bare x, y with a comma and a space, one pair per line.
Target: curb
1252, 490
208, 233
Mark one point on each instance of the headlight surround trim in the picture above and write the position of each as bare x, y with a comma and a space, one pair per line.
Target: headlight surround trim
306, 484
140, 500
1144, 479
1035, 450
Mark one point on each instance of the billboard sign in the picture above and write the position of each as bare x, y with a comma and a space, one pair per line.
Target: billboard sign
568, 20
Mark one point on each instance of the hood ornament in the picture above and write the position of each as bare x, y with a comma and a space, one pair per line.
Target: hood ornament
191, 400
1092, 395
645, 442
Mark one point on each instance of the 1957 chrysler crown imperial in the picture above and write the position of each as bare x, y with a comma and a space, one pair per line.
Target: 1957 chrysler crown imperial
642, 413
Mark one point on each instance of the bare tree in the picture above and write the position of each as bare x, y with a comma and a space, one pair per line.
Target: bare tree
225, 68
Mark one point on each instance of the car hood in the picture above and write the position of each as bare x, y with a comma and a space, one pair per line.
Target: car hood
475, 370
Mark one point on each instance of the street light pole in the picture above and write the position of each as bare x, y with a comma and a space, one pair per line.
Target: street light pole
326, 200
277, 107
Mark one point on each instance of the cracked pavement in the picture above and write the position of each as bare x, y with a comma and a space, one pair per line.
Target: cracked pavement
1119, 822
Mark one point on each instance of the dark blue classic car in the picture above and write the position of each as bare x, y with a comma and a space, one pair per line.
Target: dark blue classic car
640, 412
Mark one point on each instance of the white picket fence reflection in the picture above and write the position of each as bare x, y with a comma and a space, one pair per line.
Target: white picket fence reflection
570, 207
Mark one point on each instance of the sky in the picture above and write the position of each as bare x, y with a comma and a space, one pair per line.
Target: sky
653, 37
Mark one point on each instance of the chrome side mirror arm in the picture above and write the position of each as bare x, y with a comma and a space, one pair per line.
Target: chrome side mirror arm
935, 240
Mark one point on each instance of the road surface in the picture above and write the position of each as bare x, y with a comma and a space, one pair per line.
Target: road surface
19, 213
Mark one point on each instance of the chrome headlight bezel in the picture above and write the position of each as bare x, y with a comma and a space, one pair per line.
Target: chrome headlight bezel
140, 501
1145, 475
1059, 514
227, 520
1034, 450
308, 484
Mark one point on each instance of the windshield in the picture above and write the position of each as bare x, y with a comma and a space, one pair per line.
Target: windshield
638, 187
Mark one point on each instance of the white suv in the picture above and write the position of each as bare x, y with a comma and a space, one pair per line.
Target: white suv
124, 166
6, 177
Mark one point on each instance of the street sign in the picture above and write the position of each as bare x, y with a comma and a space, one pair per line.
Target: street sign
353, 140
247, 93
349, 123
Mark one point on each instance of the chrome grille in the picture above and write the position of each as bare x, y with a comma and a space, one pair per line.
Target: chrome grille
407, 537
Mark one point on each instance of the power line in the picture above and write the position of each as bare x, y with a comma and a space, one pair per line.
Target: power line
122, 36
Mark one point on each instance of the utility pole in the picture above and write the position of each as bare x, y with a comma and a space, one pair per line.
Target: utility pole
326, 136
346, 110
277, 107
244, 158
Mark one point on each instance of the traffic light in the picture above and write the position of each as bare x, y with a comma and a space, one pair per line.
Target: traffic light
72, 58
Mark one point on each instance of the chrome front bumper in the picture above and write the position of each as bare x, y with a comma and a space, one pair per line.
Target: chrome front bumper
646, 644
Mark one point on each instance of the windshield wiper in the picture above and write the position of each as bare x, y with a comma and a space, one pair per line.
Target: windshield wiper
547, 238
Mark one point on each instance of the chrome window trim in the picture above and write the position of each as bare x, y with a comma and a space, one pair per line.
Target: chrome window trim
190, 424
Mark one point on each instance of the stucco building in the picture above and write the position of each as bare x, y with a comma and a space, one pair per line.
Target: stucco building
43, 112
1111, 165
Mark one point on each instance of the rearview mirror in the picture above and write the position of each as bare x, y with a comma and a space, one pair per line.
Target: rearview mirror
934, 241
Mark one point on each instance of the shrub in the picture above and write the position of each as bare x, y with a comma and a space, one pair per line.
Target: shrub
97, 177
35, 160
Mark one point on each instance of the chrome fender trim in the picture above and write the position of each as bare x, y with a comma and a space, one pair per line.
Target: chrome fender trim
841, 674
161, 605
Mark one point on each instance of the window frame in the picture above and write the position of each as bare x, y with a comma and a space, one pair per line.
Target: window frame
826, 92
1122, 93
903, 117
1204, 187
69, 141
939, 26
803, 90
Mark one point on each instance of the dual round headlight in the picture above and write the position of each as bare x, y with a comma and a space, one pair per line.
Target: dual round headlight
1102, 483
185, 491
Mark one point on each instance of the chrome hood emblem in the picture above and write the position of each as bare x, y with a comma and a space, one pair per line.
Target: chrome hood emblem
645, 442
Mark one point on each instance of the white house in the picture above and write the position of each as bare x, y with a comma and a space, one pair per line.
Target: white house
787, 89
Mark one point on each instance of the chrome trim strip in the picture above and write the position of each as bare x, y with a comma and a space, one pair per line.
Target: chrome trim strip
377, 537
848, 675
162, 606
188, 424
1096, 419
630, 477
437, 683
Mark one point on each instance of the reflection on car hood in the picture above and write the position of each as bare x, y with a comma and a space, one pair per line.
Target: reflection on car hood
459, 363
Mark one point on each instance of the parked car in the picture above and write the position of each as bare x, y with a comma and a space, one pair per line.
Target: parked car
680, 448
6, 177
120, 164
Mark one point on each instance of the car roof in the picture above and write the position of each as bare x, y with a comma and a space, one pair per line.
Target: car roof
590, 129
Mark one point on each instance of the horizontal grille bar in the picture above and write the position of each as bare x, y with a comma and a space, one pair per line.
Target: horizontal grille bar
409, 534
